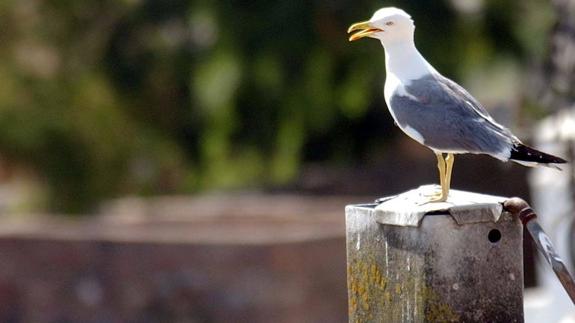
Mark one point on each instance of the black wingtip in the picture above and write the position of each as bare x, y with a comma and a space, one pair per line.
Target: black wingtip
525, 153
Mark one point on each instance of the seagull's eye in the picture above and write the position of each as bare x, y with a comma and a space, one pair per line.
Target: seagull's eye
389, 23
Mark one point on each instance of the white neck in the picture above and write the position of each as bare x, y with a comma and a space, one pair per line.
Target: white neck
403, 61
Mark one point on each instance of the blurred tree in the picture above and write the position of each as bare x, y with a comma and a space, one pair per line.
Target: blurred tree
106, 97
556, 83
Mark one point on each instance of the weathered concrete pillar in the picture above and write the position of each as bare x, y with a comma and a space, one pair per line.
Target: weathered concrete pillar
459, 261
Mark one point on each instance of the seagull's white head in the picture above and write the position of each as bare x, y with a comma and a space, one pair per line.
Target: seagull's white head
389, 25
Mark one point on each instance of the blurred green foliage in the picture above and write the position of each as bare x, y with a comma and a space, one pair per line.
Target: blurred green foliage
110, 97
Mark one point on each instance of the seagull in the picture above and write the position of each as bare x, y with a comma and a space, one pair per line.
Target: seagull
432, 109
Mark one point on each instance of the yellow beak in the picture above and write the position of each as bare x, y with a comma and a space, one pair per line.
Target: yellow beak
365, 30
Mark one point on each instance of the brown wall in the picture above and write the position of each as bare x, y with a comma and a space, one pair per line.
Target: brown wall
234, 269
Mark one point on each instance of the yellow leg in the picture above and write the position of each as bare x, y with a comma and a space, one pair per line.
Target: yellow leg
449, 168
441, 168
444, 167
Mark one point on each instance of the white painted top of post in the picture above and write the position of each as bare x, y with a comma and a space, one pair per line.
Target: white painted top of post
409, 208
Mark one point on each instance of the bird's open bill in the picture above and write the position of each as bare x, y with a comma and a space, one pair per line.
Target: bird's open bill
365, 30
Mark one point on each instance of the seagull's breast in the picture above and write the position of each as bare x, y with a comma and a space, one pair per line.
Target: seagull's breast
395, 87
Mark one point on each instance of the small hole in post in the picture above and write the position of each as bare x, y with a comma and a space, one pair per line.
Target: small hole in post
494, 235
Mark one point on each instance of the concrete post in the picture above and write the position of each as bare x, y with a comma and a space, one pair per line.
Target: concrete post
459, 261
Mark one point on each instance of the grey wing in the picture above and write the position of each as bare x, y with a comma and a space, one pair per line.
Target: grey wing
469, 100
449, 119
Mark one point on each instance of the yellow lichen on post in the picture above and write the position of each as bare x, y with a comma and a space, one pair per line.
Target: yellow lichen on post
366, 285
372, 292
435, 309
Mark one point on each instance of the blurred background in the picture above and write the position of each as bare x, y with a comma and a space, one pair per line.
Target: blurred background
189, 160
